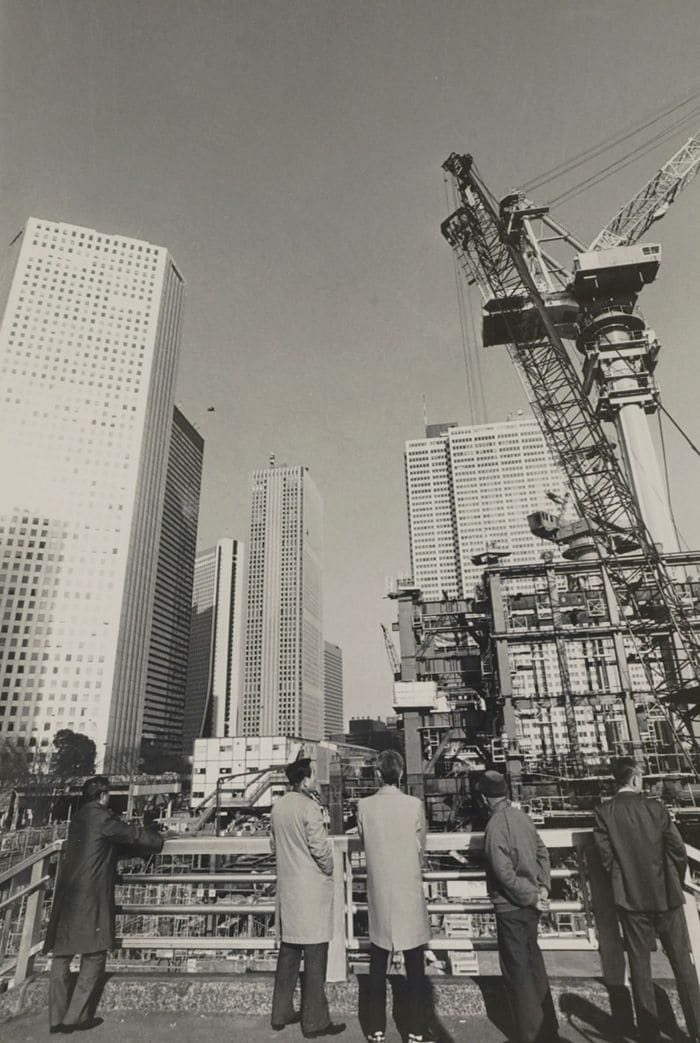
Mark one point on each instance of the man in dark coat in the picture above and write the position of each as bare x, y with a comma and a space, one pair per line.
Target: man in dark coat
518, 879
82, 914
645, 856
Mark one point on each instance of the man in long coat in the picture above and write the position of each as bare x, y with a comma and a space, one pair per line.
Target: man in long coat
82, 914
304, 901
392, 827
646, 858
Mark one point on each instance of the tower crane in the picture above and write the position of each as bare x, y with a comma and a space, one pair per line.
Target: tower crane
392, 655
532, 303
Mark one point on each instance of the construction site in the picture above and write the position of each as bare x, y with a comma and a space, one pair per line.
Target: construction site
551, 669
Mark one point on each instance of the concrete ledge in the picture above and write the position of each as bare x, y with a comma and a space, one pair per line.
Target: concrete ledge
251, 994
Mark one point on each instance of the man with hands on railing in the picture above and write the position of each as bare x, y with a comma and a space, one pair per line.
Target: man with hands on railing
82, 913
645, 856
518, 880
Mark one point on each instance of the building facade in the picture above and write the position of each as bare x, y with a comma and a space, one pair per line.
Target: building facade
212, 702
89, 346
470, 489
163, 718
332, 689
283, 658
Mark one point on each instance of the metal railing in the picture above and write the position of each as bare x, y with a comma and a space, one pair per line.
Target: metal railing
214, 897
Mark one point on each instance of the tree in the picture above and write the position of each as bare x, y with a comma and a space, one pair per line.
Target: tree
75, 754
14, 766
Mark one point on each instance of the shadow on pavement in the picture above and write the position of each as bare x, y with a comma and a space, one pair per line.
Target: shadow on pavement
597, 1024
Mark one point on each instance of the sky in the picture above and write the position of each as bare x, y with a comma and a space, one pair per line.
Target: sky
288, 153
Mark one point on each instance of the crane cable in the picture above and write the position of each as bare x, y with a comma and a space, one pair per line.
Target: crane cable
586, 155
622, 161
681, 540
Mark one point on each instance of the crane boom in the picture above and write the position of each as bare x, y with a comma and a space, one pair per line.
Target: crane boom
486, 242
653, 200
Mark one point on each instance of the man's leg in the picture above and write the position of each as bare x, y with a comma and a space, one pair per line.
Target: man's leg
550, 1026
673, 933
286, 975
92, 968
414, 960
314, 1005
59, 980
640, 939
376, 1014
515, 930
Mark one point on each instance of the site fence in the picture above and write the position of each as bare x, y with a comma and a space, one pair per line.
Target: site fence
209, 903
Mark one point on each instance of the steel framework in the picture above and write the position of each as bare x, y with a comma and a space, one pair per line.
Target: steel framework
489, 246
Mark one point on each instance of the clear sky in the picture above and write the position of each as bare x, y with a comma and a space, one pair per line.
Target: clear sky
288, 153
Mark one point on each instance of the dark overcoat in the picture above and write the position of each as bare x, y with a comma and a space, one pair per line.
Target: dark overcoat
643, 852
82, 915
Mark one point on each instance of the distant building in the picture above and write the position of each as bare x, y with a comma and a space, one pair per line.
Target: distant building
332, 689
472, 488
163, 718
214, 662
375, 733
283, 658
89, 346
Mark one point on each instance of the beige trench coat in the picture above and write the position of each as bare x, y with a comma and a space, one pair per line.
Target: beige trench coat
392, 828
304, 855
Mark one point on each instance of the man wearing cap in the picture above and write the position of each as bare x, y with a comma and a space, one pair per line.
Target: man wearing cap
82, 913
304, 904
518, 881
645, 856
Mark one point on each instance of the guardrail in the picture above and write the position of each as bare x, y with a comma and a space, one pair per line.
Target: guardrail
215, 895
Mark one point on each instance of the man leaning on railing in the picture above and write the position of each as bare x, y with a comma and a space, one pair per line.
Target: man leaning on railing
82, 915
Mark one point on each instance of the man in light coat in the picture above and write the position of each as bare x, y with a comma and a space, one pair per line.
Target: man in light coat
392, 827
518, 879
304, 901
645, 856
82, 913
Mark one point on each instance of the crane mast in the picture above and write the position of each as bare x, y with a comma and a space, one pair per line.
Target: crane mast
530, 307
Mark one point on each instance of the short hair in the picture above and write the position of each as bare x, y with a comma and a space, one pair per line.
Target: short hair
390, 766
298, 770
94, 787
624, 769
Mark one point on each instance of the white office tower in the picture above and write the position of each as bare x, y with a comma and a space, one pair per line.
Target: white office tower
470, 489
216, 641
332, 689
283, 658
88, 354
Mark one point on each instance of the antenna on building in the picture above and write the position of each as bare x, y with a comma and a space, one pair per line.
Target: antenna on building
425, 414
272, 459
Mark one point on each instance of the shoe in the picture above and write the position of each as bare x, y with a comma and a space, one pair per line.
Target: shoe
376, 1037
412, 1038
294, 1020
54, 1029
83, 1026
331, 1029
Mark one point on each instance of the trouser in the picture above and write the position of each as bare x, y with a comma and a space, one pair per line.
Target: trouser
525, 977
314, 1005
415, 975
640, 931
74, 1011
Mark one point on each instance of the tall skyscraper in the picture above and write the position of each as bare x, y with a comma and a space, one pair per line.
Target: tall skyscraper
283, 661
89, 345
216, 640
471, 488
332, 689
164, 709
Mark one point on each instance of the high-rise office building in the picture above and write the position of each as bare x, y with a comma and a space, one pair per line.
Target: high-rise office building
283, 659
164, 708
216, 639
332, 689
89, 345
471, 489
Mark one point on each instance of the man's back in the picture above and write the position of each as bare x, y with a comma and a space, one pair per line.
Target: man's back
392, 826
642, 850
